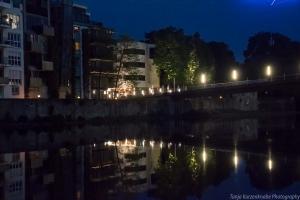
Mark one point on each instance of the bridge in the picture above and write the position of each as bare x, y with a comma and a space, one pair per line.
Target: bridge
279, 94
284, 84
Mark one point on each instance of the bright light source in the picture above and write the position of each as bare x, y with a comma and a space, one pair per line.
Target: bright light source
78, 97
160, 90
204, 155
269, 71
143, 143
105, 92
234, 75
203, 78
161, 144
38, 96
152, 143
235, 159
270, 164
143, 92
94, 91
134, 93
178, 89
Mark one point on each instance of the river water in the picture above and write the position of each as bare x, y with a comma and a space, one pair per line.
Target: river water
231, 159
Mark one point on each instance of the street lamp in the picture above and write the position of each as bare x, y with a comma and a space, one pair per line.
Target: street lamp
234, 75
203, 78
268, 71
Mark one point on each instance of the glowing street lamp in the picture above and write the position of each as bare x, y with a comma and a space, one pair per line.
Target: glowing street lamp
268, 71
203, 79
234, 75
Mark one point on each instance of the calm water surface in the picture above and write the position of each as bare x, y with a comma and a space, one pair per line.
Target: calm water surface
177, 160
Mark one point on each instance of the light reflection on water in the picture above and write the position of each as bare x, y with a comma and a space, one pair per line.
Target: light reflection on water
140, 168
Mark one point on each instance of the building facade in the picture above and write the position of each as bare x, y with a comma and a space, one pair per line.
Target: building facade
12, 176
11, 50
137, 65
81, 20
40, 76
98, 60
62, 20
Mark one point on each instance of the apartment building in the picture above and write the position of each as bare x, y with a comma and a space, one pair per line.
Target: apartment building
12, 176
81, 20
40, 74
138, 65
11, 50
98, 60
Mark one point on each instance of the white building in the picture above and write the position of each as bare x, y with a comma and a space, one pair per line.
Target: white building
138, 58
11, 50
12, 176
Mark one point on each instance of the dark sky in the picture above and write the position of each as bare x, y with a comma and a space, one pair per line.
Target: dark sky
231, 21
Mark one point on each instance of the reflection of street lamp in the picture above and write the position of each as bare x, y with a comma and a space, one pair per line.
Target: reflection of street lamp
203, 78
234, 75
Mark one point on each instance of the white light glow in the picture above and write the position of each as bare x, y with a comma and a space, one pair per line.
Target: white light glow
234, 75
270, 164
269, 71
203, 78
204, 155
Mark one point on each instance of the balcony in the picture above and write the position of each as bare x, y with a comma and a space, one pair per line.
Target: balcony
4, 80
47, 66
4, 23
36, 43
44, 30
36, 82
5, 4
5, 44
4, 166
48, 30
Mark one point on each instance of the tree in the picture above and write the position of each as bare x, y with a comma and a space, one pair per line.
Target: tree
171, 53
123, 57
191, 68
271, 49
223, 61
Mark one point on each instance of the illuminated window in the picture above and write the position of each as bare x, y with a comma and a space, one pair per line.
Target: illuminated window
77, 46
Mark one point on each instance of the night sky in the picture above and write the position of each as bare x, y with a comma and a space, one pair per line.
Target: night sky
230, 21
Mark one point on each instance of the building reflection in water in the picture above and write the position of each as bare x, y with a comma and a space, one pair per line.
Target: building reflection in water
123, 168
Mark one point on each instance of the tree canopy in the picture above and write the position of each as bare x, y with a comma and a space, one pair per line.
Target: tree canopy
272, 49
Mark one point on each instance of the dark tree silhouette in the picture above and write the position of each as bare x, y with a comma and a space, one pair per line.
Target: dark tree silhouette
272, 49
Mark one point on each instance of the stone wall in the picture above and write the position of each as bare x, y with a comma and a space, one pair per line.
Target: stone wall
168, 105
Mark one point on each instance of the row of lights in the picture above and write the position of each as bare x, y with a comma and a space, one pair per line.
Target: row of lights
235, 75
203, 80
203, 153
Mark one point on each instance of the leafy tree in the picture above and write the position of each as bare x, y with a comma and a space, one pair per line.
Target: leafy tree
223, 61
192, 68
271, 49
171, 53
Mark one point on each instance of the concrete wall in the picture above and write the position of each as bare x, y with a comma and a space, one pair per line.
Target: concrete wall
140, 107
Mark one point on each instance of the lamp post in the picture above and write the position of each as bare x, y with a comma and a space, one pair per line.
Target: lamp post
234, 75
203, 79
269, 71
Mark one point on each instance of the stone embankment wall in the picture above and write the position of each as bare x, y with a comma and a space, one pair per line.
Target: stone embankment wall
168, 105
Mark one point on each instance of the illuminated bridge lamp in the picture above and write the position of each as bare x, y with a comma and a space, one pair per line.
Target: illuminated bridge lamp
269, 71
203, 78
270, 164
204, 155
234, 75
